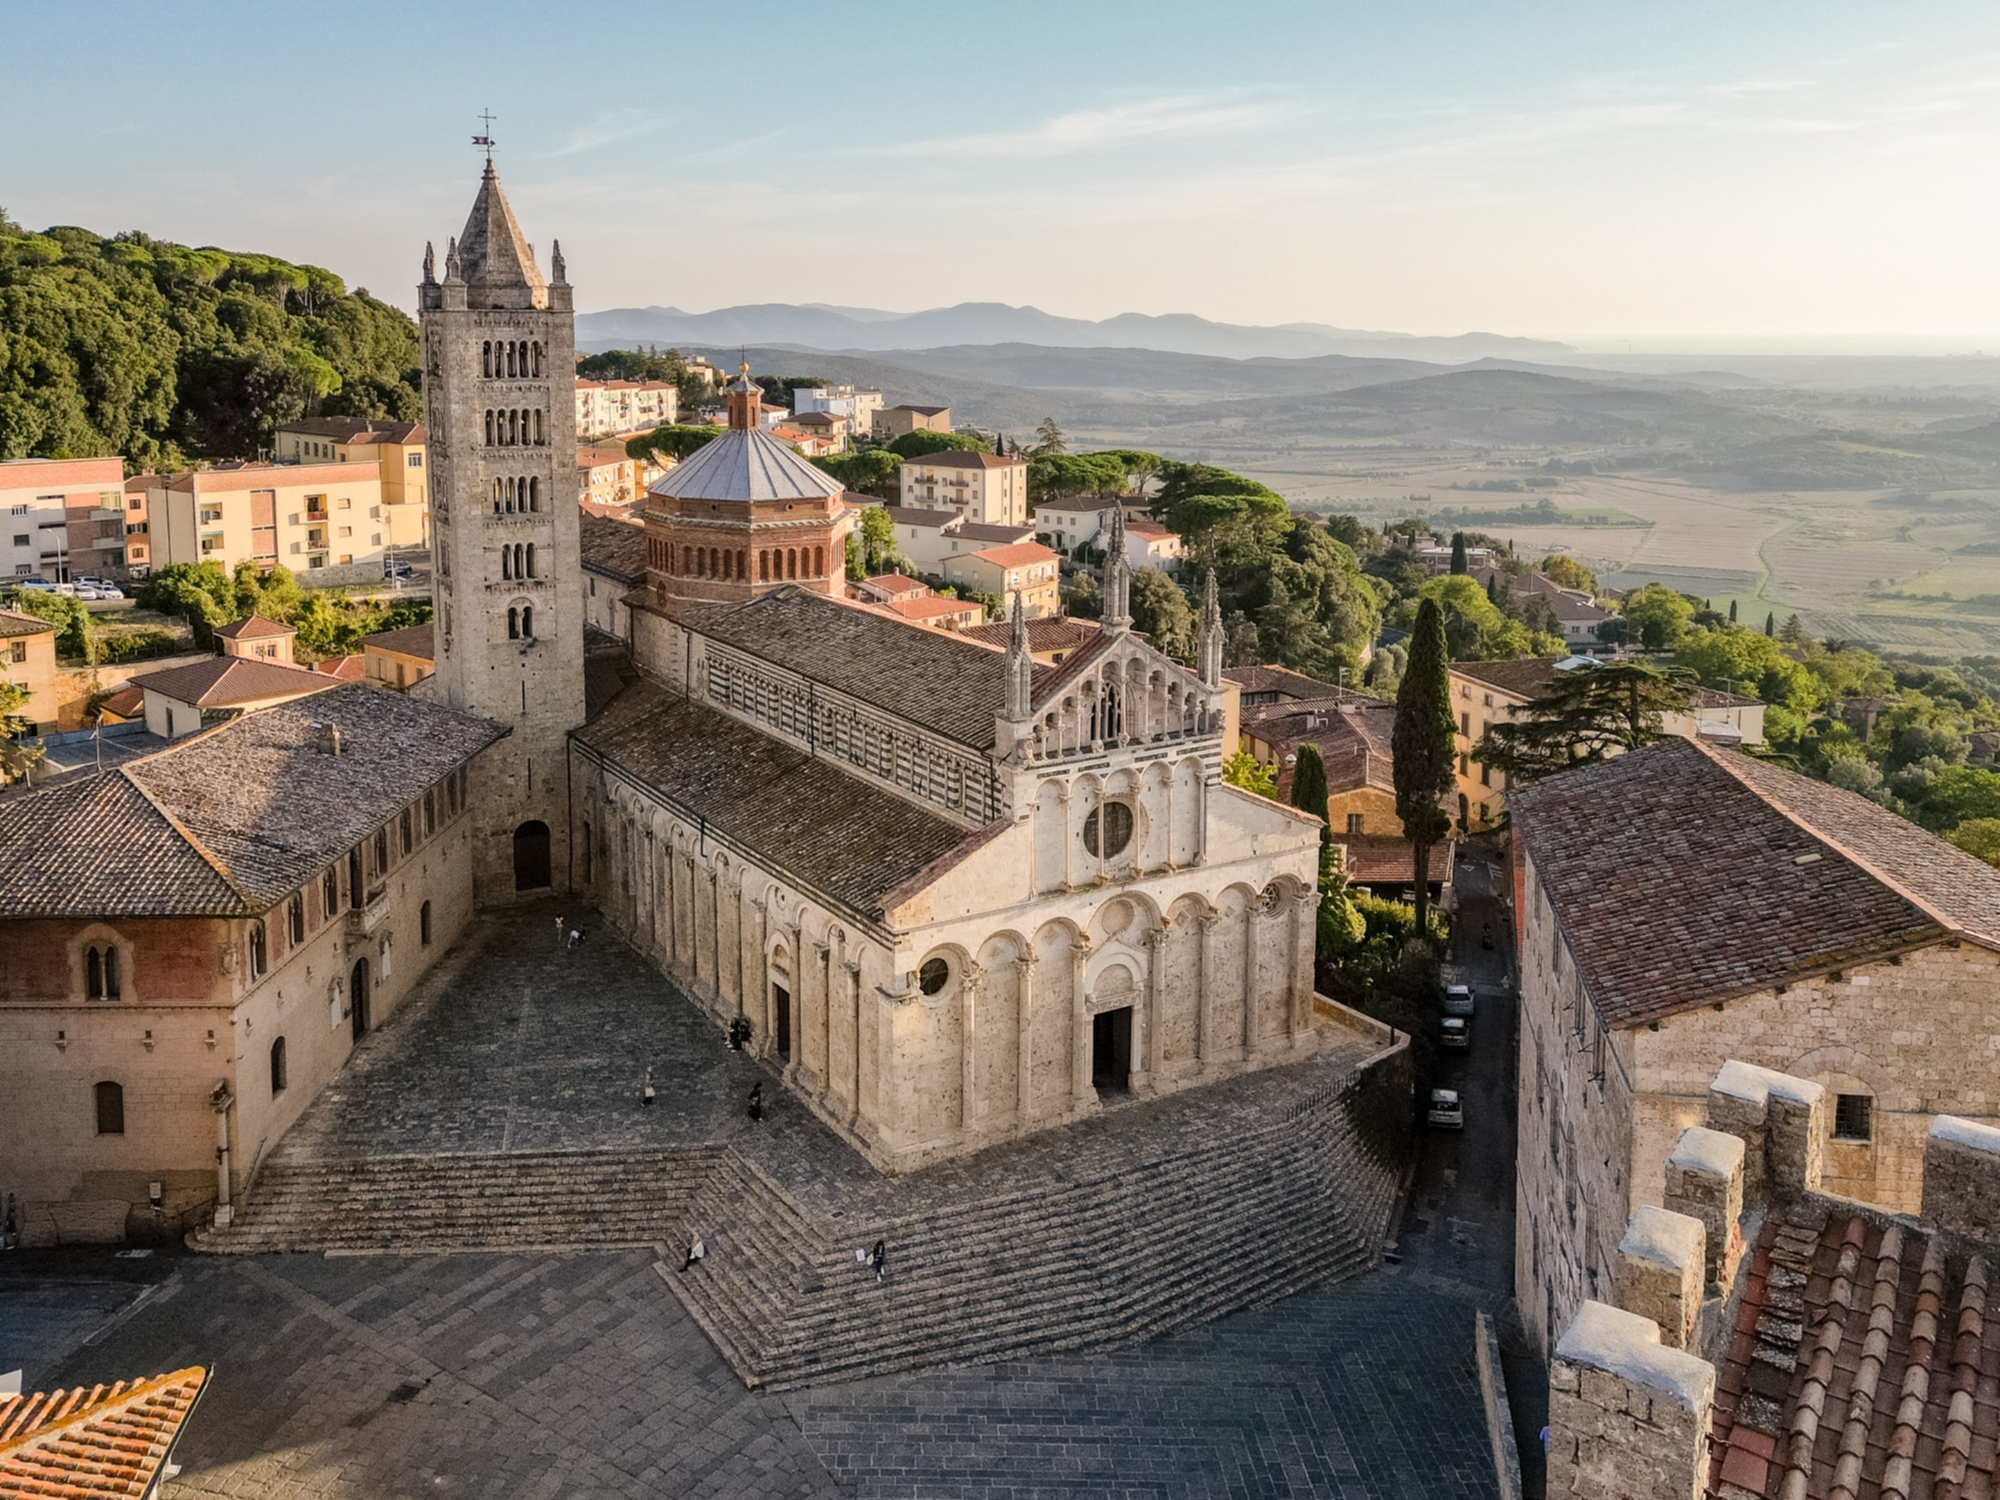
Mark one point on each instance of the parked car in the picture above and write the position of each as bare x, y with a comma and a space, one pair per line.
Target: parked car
393, 568
1455, 1034
110, 591
1446, 1111
1458, 1000
35, 585
68, 589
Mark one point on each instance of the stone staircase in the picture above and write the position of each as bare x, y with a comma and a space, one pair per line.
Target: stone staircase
1108, 1257
511, 1201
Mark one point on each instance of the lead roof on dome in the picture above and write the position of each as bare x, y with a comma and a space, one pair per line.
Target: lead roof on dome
745, 465
493, 251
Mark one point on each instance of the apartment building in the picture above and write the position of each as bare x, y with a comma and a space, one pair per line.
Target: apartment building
610, 476
28, 660
398, 447
607, 406
64, 518
982, 487
1025, 568
855, 407
897, 421
307, 516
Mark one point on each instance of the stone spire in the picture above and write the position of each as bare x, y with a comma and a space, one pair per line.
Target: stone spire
453, 269
430, 265
1210, 636
498, 263
1020, 668
558, 272
1117, 577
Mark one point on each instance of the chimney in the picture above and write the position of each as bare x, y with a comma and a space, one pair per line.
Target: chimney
329, 739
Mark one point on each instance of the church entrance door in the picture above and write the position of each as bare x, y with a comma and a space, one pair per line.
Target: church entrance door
1111, 1049
531, 856
357, 989
781, 1005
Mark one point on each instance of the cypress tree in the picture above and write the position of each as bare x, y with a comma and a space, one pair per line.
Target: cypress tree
1309, 787
1732, 611
1770, 624
1458, 552
1422, 746
1491, 596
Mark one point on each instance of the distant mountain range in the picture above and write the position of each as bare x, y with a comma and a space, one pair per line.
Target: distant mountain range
869, 330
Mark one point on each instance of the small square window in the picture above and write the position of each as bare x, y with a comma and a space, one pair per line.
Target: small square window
1853, 1117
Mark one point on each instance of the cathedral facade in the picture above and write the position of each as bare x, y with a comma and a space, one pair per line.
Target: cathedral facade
959, 895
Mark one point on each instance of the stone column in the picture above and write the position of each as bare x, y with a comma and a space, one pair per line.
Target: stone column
1069, 837
649, 889
1304, 942
822, 1068
1204, 1041
1024, 1068
714, 885
1080, 1097
1705, 1182
762, 973
671, 945
1156, 989
795, 988
853, 967
1251, 937
968, 1059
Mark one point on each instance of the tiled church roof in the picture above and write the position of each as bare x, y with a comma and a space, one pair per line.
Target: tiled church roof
850, 841
1683, 875
100, 1441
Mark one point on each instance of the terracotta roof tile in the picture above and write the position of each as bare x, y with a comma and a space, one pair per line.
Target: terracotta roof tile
411, 640
103, 1441
1528, 677
14, 622
255, 628
1019, 555
226, 680
1682, 874
344, 668
1385, 859
959, 458
1048, 633
847, 840
613, 547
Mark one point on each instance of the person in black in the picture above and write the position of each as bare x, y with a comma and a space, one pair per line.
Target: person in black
756, 1101
880, 1256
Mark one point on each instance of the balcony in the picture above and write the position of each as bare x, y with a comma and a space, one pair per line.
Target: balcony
370, 914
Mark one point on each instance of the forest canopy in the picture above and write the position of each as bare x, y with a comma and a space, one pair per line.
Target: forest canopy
160, 353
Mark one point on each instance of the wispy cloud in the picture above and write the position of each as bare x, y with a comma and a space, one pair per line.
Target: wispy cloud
1114, 125
607, 128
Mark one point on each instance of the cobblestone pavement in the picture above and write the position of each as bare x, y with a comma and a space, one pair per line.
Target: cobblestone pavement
553, 1376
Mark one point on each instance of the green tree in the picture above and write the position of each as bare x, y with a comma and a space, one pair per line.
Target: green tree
1742, 661
1458, 552
917, 444
873, 471
1658, 616
1062, 476
200, 593
1792, 631
1139, 465
1732, 611
674, 441
76, 632
1161, 610
1589, 715
1769, 621
1567, 572
1049, 440
17, 761
1244, 770
1979, 837
1421, 744
1476, 629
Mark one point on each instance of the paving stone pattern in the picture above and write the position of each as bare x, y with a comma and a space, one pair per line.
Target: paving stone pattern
557, 1376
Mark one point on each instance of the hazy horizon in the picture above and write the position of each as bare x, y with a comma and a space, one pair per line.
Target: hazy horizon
1800, 179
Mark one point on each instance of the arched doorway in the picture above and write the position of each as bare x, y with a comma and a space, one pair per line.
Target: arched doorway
531, 856
357, 992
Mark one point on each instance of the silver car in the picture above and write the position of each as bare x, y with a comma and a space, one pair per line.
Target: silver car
1446, 1112
1455, 1034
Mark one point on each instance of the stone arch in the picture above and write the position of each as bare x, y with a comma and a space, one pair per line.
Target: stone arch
102, 938
1051, 835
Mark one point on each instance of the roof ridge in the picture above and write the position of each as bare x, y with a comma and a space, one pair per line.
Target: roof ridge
213, 861
1867, 866
51, 1416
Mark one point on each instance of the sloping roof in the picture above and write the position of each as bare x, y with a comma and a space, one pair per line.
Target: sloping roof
995, 535
745, 464
1049, 633
930, 607
492, 251
613, 547
128, 702
411, 640
1529, 677
228, 822
14, 622
1352, 734
1384, 859
944, 684
97, 1441
253, 629
897, 585
343, 668
1283, 680
1682, 874
922, 411
591, 456
1018, 555
1706, 697
1824, 1289
916, 515
355, 429
225, 680
960, 458
838, 835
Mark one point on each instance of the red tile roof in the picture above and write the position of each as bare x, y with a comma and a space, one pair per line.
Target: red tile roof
898, 584
101, 1441
1049, 633
14, 622
345, 668
1528, 677
252, 629
411, 640
959, 458
226, 680
1352, 734
1020, 555
1385, 859
1682, 874
934, 607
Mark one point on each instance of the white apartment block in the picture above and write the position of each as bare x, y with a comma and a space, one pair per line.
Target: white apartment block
982, 487
306, 516
857, 406
64, 518
604, 407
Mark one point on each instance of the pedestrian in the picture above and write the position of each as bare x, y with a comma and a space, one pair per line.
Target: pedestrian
697, 1252
646, 1091
575, 937
756, 1101
880, 1256
559, 932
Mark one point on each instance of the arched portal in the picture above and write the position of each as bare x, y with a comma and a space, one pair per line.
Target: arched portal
531, 856
357, 991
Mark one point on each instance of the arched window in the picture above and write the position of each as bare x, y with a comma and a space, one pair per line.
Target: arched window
764, 567
819, 562
536, 350
742, 563
498, 493
528, 622
277, 1067
260, 951
538, 426
406, 828
513, 624
93, 974
424, 924
531, 561
489, 429
728, 564
791, 563
534, 494
511, 347
486, 359
110, 1108
506, 562
329, 891
357, 892
295, 920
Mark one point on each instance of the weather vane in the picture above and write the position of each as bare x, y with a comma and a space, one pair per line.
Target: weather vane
485, 138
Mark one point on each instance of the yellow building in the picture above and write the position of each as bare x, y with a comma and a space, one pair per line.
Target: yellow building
900, 421
400, 659
982, 487
28, 659
400, 449
306, 516
1026, 568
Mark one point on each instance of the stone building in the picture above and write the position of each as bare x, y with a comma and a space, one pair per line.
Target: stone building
1686, 904
499, 352
191, 944
1762, 1334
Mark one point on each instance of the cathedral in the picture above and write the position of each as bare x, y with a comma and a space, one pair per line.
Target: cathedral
958, 893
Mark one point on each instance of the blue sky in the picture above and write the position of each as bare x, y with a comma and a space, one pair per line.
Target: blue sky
1694, 174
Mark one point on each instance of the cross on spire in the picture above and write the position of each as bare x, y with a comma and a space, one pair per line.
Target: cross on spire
485, 136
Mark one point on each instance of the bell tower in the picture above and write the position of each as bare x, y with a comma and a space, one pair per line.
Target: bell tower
500, 418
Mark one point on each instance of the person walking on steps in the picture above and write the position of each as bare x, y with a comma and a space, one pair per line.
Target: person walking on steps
646, 1091
880, 1257
697, 1252
756, 1101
